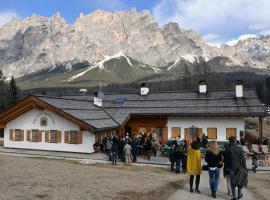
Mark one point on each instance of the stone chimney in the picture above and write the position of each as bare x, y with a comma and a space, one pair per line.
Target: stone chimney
144, 89
98, 96
202, 87
239, 93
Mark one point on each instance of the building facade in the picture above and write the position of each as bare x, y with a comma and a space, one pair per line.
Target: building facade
74, 123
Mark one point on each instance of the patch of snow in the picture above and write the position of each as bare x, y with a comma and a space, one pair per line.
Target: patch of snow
72, 78
190, 57
241, 38
100, 65
174, 64
156, 69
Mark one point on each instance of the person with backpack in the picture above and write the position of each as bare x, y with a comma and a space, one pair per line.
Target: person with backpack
213, 157
178, 156
235, 163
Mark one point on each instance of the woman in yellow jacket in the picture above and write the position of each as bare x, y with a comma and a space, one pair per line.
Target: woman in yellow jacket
194, 165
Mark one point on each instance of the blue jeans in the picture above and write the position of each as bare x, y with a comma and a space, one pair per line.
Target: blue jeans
213, 178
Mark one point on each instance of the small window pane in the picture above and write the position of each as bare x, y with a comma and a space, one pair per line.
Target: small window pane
74, 137
17, 135
53, 136
34, 135
43, 121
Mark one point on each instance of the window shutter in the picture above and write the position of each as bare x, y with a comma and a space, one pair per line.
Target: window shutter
187, 135
28, 135
175, 132
66, 136
39, 136
58, 137
10, 134
200, 133
46, 136
230, 132
80, 137
21, 135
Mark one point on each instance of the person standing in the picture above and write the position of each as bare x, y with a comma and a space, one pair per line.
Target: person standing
194, 165
114, 153
178, 156
226, 172
234, 162
134, 144
213, 157
127, 150
172, 157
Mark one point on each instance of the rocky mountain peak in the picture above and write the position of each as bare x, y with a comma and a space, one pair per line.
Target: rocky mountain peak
37, 43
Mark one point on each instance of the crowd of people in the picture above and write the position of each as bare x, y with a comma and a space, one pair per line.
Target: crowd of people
126, 148
186, 158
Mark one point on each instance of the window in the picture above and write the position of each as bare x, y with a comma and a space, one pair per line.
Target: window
34, 135
212, 133
53, 136
73, 137
1, 133
176, 132
43, 121
17, 135
230, 132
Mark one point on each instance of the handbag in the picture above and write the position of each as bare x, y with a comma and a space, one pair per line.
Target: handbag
241, 178
205, 167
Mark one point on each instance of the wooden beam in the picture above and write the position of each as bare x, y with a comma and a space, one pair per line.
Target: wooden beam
2, 126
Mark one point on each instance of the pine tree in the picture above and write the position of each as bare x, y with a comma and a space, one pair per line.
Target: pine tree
13, 90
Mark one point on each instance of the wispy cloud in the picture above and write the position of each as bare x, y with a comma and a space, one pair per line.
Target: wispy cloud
227, 19
109, 4
6, 17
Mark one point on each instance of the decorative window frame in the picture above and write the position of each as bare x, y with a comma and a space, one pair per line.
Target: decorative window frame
43, 121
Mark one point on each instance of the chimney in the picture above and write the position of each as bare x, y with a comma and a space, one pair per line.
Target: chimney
144, 89
202, 87
239, 89
98, 98
83, 91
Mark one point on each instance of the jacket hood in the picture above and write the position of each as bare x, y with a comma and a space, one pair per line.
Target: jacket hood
192, 151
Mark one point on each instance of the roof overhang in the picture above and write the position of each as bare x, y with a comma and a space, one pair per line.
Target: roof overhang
32, 102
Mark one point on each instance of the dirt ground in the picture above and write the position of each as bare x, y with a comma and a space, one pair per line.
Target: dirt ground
39, 178
259, 184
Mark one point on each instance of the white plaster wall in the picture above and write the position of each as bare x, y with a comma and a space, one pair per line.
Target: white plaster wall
221, 123
31, 120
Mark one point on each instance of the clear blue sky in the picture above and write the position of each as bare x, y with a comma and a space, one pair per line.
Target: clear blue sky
218, 21
70, 9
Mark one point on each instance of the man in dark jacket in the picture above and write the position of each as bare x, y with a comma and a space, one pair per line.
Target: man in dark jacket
234, 161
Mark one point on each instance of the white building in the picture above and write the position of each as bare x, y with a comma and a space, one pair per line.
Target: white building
74, 123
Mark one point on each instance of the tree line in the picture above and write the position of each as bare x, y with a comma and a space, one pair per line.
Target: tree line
8, 92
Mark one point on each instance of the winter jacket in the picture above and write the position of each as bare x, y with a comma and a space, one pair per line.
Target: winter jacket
213, 160
194, 161
234, 158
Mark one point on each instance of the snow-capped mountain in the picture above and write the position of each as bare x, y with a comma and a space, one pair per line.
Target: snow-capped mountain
39, 44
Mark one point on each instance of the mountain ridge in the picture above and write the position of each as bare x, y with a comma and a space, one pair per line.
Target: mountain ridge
40, 43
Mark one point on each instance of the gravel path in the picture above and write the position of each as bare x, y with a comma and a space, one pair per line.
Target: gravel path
184, 194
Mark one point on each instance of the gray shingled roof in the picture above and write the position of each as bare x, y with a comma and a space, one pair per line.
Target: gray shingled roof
82, 110
113, 114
